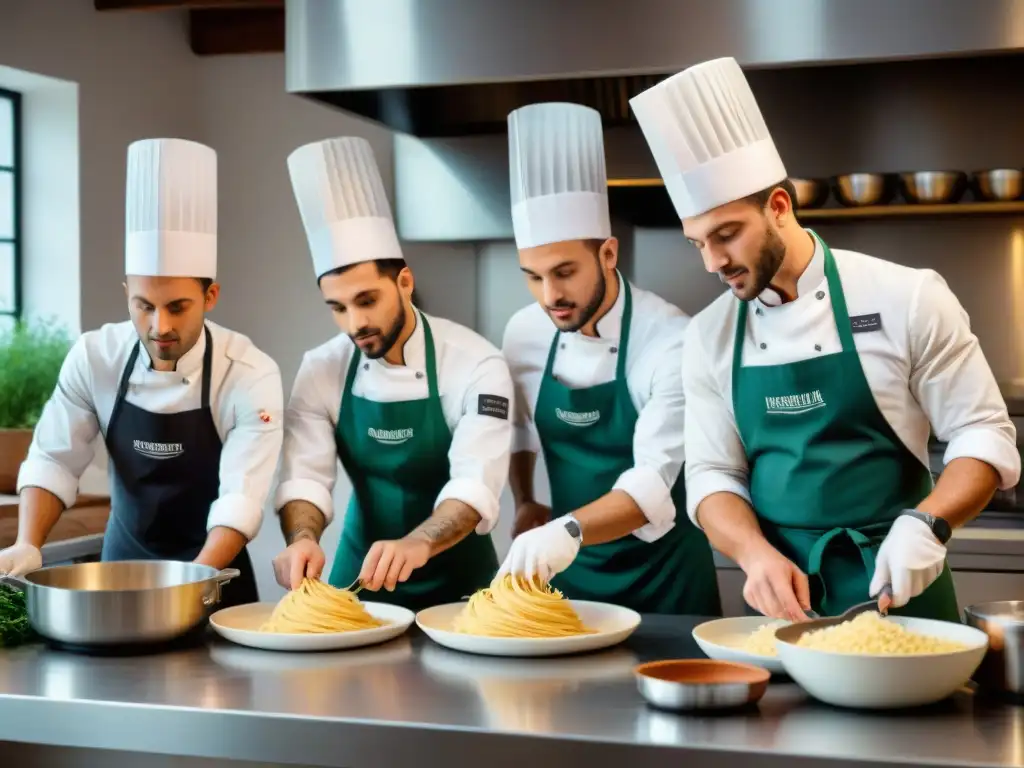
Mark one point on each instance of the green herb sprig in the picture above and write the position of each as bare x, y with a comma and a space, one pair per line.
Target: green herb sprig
14, 626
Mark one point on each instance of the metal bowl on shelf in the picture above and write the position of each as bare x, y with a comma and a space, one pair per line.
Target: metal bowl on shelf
933, 186
810, 193
860, 189
999, 184
1002, 669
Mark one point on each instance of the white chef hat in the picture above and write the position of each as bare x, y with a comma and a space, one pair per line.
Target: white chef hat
558, 180
342, 202
708, 137
171, 209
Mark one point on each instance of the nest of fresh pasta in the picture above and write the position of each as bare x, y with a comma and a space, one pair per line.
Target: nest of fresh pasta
514, 606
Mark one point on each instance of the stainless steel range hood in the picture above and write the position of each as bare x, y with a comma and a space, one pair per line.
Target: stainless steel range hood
445, 74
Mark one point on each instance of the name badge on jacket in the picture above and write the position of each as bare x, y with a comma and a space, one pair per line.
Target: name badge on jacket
866, 323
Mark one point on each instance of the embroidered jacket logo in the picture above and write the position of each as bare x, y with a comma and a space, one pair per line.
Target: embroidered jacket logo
578, 419
790, 405
158, 451
390, 436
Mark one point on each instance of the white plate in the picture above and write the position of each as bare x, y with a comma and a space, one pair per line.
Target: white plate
612, 622
719, 640
241, 624
879, 682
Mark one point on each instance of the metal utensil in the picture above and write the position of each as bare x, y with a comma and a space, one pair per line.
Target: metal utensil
810, 193
933, 186
1002, 669
125, 602
880, 604
855, 189
999, 184
687, 684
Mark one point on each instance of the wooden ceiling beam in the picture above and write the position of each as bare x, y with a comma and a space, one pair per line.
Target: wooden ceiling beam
227, 31
166, 5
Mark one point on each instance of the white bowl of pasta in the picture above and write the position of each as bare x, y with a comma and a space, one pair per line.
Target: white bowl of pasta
747, 639
523, 619
871, 662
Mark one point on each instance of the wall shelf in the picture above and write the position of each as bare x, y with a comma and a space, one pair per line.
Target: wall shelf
645, 202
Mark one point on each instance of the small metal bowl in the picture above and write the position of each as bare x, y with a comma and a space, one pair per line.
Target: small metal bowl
687, 684
858, 189
810, 193
1002, 669
999, 184
933, 186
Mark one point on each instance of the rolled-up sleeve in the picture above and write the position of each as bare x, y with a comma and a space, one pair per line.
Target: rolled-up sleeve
481, 443
62, 444
252, 448
658, 450
953, 383
309, 465
715, 459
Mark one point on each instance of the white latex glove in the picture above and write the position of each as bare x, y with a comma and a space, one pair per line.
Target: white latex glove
910, 559
541, 552
19, 560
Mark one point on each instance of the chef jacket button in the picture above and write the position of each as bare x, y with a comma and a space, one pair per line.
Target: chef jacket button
184, 380
763, 345
758, 311
562, 345
366, 367
614, 350
817, 347
820, 295
419, 374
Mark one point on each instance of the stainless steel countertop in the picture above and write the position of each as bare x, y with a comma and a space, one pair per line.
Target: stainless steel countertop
410, 702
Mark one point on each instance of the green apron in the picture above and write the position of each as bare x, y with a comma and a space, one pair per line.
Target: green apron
828, 476
396, 455
587, 437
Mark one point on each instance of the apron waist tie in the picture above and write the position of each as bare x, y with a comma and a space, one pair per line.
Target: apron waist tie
865, 546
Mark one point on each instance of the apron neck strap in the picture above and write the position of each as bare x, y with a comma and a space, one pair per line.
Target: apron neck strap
430, 358
126, 375
624, 325
840, 314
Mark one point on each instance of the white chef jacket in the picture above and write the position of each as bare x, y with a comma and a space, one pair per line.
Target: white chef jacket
655, 345
925, 367
245, 389
468, 366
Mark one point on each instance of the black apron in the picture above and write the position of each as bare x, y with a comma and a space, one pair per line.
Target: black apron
166, 476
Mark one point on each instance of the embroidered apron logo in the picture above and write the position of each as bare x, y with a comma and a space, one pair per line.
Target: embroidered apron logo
158, 450
790, 405
390, 436
576, 419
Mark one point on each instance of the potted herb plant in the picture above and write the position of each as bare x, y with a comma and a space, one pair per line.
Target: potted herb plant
31, 354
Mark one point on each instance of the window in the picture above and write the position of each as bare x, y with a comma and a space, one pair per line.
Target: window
10, 203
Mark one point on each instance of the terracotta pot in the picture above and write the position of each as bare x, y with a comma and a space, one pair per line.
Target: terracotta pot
14, 445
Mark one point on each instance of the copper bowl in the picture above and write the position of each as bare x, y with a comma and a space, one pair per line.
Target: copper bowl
810, 193
685, 684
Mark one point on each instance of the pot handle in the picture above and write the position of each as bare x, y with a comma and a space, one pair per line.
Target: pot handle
220, 580
14, 581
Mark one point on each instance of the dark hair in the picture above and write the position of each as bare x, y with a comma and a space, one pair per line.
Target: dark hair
206, 282
385, 267
760, 199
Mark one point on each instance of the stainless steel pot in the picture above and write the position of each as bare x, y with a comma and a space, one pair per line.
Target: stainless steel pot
1003, 666
126, 602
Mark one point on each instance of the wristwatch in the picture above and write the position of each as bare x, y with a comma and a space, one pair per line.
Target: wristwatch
573, 527
939, 526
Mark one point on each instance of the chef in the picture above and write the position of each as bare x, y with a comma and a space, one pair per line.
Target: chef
596, 367
813, 383
190, 412
416, 408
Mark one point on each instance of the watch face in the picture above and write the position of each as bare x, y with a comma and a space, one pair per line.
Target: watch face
573, 528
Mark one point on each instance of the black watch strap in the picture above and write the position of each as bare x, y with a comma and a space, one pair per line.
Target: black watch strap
940, 527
